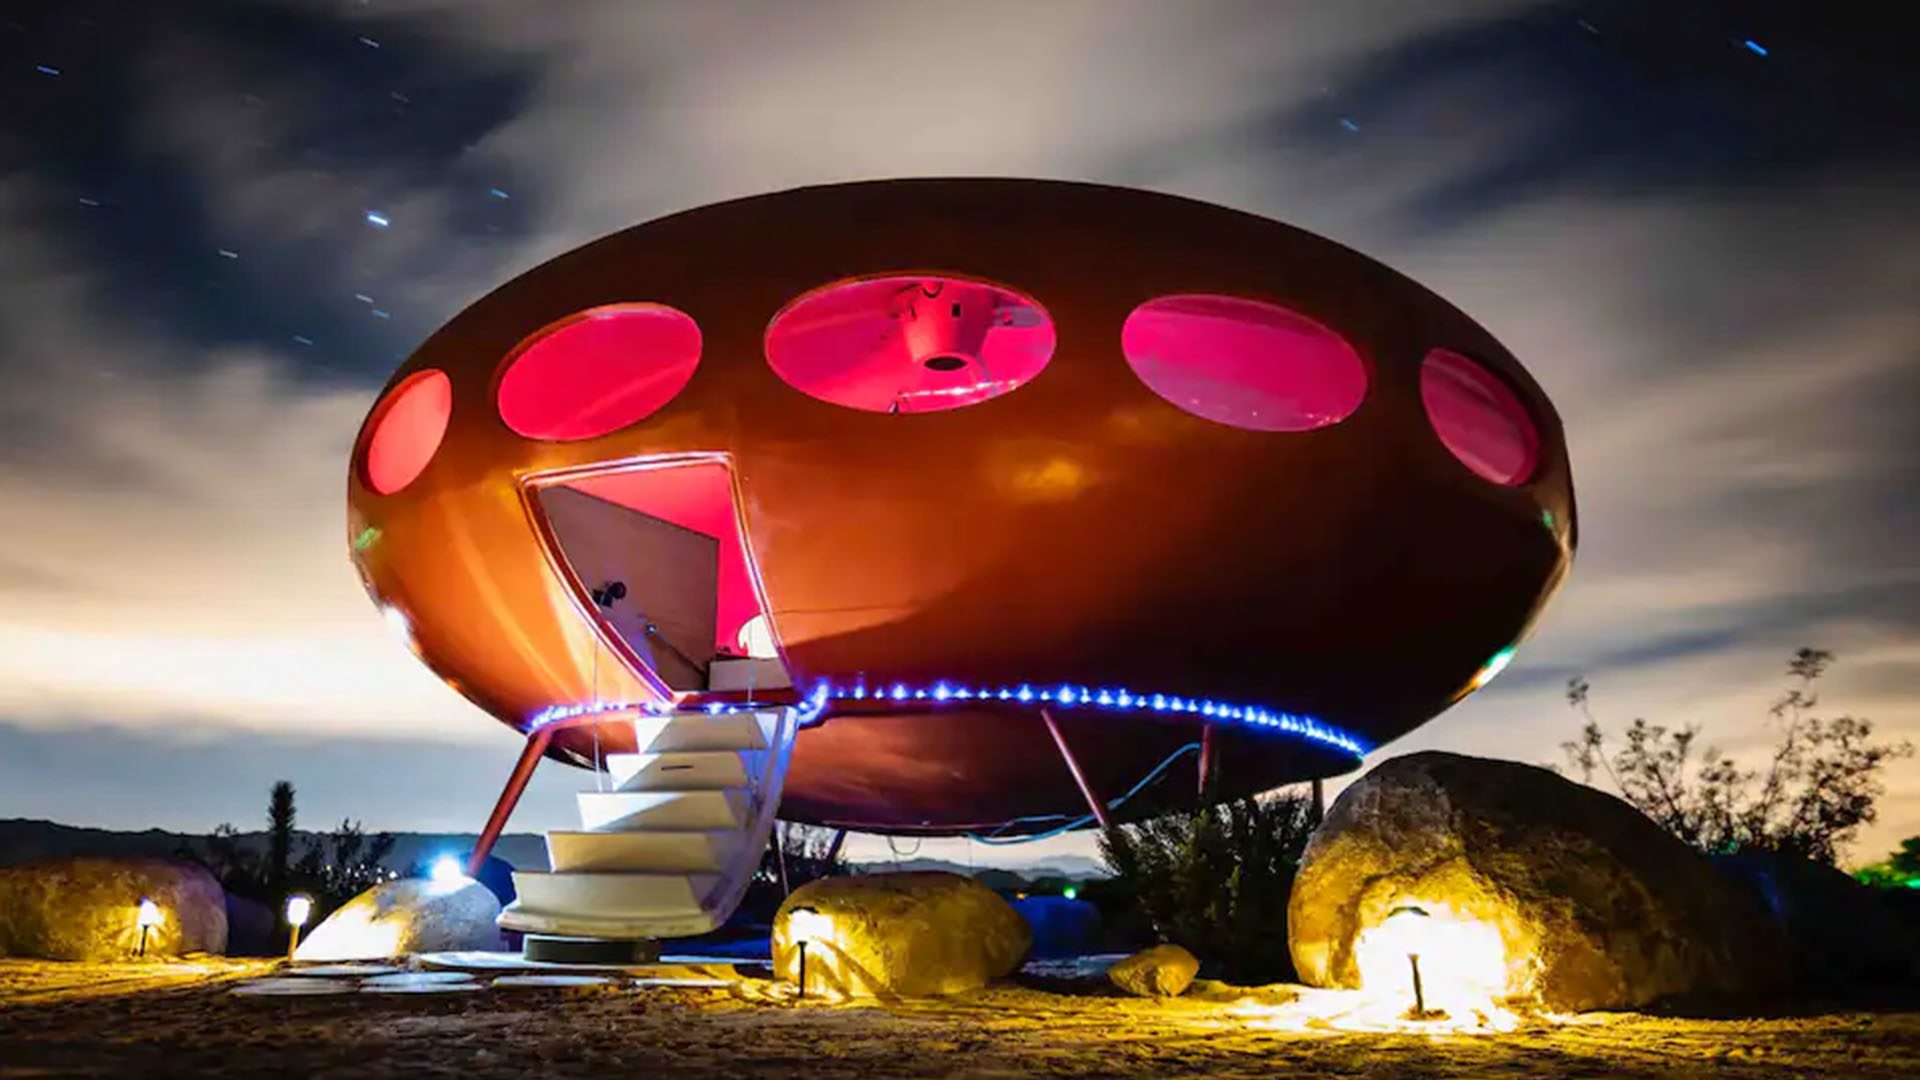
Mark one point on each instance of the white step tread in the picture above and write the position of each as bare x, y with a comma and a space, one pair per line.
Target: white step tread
645, 852
609, 904
699, 731
625, 811
694, 770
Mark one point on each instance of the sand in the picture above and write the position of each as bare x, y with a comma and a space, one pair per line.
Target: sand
183, 1019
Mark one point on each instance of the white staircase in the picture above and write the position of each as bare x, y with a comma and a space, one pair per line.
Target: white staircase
669, 851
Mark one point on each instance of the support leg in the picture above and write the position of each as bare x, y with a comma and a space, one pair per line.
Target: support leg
833, 849
509, 798
1206, 759
1073, 766
1319, 802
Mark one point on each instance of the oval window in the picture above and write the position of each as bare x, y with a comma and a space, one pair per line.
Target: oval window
407, 428
914, 343
599, 371
1478, 417
1244, 363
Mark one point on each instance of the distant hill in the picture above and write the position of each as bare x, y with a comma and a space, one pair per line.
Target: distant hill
1074, 867
23, 840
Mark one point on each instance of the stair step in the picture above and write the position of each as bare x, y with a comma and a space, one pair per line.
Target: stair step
696, 770
645, 852
624, 811
698, 731
611, 905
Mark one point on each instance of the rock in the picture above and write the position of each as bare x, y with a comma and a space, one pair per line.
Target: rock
88, 909
1841, 935
411, 915
1060, 927
1510, 881
898, 935
1162, 971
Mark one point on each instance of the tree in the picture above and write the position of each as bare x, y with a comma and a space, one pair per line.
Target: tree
1818, 787
279, 835
1215, 880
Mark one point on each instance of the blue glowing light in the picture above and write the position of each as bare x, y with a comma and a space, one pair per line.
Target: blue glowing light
1755, 47
46, 69
497, 193
447, 872
1348, 123
377, 219
1068, 696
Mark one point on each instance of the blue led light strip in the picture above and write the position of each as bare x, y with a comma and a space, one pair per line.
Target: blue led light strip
1065, 696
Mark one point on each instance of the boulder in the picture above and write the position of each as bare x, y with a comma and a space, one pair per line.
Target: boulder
411, 915
1841, 935
1061, 927
88, 909
1162, 971
898, 935
1508, 881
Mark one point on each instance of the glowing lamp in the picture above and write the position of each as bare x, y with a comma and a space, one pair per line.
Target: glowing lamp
1405, 923
804, 924
148, 919
299, 908
1070, 893
447, 874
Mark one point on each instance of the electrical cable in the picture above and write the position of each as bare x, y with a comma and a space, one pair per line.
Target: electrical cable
994, 838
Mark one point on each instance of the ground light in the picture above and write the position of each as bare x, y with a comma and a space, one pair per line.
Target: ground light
148, 919
299, 907
1406, 920
804, 923
447, 873
1070, 893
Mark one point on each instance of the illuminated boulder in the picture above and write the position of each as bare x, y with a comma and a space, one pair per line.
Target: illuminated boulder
412, 915
1162, 971
898, 935
1508, 881
89, 909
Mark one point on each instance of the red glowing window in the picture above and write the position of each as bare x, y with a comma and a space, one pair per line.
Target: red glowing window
1244, 363
1478, 417
407, 429
599, 372
909, 343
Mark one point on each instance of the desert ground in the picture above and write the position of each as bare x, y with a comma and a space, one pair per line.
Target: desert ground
183, 1019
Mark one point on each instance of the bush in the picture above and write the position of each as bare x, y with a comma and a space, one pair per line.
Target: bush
1216, 880
1819, 786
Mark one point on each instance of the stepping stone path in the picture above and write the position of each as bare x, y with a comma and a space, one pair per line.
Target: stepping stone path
456, 973
535, 982
421, 982
293, 987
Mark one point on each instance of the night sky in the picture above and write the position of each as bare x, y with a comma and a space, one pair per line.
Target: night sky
223, 224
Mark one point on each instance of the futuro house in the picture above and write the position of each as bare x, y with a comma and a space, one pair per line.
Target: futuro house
947, 506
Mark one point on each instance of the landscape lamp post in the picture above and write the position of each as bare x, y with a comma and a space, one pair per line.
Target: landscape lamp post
1405, 922
798, 920
148, 918
299, 907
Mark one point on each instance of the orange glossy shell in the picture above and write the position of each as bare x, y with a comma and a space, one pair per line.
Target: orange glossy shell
1077, 529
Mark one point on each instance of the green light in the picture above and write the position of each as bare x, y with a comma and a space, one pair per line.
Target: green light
1546, 518
1494, 666
1069, 892
367, 537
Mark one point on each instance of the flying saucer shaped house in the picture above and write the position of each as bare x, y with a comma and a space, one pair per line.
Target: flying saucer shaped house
946, 506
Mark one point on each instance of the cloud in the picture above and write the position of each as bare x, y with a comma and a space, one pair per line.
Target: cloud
1725, 328
175, 550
